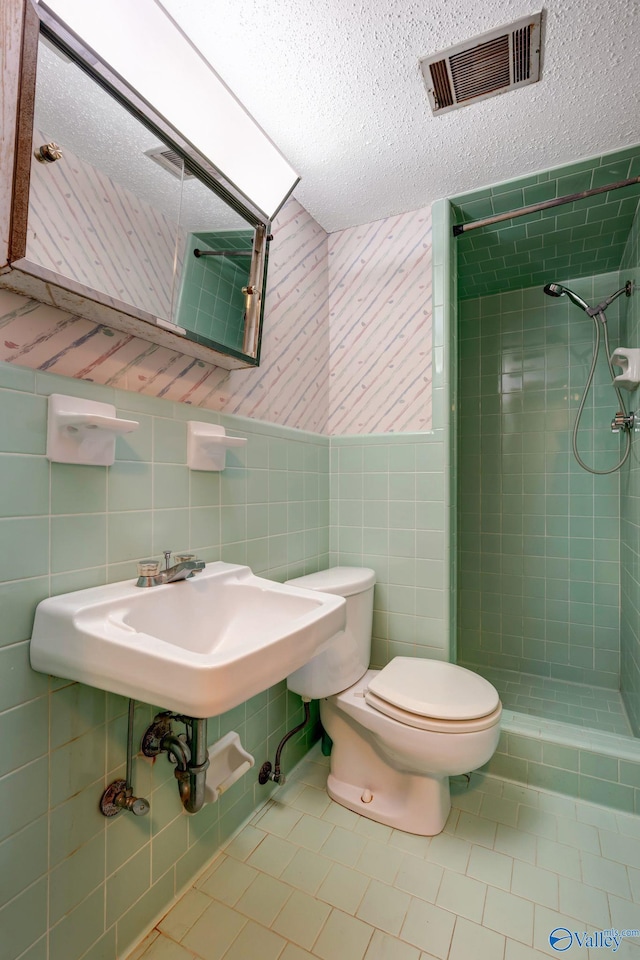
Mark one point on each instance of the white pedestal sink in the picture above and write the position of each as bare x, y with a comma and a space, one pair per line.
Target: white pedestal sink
198, 647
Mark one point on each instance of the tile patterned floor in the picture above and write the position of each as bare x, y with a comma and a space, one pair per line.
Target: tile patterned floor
574, 703
308, 879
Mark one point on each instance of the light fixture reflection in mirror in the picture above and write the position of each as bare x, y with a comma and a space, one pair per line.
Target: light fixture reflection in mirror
170, 73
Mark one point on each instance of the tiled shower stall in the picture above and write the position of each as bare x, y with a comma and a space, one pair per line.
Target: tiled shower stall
548, 590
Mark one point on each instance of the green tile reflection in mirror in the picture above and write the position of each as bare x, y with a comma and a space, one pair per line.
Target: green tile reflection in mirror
211, 299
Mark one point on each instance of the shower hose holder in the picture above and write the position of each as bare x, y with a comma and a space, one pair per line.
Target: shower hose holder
625, 422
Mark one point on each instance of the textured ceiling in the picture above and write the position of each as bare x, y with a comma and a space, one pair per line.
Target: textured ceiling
77, 114
338, 88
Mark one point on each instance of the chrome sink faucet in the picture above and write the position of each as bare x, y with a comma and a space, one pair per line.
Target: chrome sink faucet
185, 565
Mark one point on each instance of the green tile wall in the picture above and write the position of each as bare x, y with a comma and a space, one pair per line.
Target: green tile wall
388, 512
100, 883
629, 505
579, 239
538, 536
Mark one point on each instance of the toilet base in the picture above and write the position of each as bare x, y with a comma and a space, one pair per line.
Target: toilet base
415, 804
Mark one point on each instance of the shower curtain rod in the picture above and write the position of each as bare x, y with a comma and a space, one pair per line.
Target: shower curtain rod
223, 253
460, 228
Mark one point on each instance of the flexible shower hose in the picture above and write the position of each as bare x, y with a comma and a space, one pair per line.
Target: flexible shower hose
599, 319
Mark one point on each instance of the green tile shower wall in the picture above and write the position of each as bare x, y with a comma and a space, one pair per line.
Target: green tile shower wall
539, 537
211, 299
63, 528
579, 239
629, 512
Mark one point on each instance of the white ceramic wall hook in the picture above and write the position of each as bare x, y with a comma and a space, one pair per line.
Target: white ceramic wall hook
84, 431
207, 445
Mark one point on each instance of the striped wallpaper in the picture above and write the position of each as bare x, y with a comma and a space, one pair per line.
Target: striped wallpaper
380, 323
346, 344
129, 258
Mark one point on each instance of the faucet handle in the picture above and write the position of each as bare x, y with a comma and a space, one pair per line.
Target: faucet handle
148, 568
184, 557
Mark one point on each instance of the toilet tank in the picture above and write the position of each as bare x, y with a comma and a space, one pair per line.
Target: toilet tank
345, 658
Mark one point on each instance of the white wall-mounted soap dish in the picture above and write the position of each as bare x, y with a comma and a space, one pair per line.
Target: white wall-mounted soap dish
207, 445
228, 761
84, 431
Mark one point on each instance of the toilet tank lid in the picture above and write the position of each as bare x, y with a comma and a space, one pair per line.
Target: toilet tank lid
435, 688
343, 581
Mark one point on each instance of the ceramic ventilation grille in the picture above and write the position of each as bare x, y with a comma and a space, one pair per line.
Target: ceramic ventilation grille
169, 160
498, 61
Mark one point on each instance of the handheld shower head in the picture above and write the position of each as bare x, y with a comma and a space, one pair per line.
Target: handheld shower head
557, 290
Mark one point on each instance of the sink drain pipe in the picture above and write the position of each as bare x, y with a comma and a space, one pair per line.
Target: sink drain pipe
190, 755
193, 780
267, 772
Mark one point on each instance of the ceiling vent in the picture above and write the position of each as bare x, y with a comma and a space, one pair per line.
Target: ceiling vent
493, 63
169, 160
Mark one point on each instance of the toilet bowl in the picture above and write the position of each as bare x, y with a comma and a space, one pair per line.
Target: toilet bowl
398, 733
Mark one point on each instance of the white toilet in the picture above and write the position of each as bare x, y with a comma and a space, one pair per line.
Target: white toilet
398, 733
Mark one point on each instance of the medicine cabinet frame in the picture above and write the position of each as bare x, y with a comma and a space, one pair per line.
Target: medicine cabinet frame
29, 278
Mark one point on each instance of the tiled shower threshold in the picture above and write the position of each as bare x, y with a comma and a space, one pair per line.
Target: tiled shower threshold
574, 703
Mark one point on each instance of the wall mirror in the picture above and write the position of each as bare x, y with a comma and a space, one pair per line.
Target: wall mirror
130, 225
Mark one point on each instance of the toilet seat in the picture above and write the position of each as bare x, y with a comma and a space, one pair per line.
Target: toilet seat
432, 723
434, 695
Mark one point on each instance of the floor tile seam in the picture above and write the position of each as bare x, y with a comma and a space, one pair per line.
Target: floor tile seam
336, 910
566, 917
202, 956
536, 902
212, 900
269, 876
526, 942
216, 862
499, 854
335, 906
383, 929
310, 813
266, 808
448, 910
162, 935
287, 938
138, 953
477, 840
605, 833
413, 943
451, 910
609, 862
